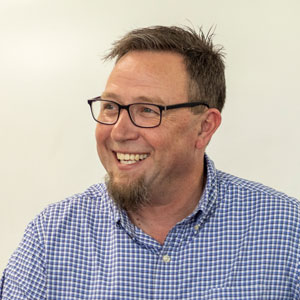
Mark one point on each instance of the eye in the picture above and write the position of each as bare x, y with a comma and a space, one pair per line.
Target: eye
148, 110
108, 106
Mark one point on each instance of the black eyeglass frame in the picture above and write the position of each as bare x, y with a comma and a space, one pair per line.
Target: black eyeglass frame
127, 107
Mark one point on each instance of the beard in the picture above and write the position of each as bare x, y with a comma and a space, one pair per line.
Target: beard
131, 196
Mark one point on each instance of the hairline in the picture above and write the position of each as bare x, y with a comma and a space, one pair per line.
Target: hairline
191, 83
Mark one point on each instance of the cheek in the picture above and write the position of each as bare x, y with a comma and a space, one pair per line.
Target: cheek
100, 134
99, 139
182, 141
156, 139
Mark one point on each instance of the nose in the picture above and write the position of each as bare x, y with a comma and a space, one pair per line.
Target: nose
124, 129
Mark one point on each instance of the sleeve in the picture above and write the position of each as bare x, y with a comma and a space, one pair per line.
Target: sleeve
297, 292
25, 277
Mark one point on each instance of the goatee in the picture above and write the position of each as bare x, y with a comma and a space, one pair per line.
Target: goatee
131, 196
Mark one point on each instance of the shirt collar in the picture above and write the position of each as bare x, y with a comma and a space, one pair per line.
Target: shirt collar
209, 195
203, 209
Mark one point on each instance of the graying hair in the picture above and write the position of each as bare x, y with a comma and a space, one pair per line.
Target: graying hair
204, 62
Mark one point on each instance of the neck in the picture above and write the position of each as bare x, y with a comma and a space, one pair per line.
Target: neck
167, 208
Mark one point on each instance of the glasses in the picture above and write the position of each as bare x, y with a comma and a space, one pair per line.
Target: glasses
144, 115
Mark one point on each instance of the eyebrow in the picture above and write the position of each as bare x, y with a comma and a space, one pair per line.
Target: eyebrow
156, 100
106, 95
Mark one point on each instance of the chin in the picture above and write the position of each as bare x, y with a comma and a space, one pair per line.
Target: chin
122, 179
129, 194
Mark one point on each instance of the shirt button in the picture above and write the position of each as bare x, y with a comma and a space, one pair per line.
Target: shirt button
166, 258
196, 227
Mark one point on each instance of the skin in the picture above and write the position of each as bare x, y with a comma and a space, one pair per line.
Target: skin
174, 169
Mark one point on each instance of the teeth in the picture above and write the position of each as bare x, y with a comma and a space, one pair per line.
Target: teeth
128, 162
130, 158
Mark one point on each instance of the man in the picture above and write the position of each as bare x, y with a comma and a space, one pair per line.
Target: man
167, 224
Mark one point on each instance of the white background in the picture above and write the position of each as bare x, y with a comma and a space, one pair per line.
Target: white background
50, 63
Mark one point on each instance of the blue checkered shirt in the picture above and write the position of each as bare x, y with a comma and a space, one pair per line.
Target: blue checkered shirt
241, 242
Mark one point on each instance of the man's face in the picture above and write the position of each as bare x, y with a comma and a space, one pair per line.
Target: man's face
164, 156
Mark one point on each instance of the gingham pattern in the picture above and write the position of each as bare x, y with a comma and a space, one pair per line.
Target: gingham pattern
242, 242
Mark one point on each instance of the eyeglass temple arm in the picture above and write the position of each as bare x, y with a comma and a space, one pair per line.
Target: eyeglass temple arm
188, 104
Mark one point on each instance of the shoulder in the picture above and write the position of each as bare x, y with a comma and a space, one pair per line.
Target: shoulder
55, 234
251, 187
75, 211
250, 196
95, 195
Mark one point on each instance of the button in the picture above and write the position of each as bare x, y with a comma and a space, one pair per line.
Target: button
196, 227
166, 258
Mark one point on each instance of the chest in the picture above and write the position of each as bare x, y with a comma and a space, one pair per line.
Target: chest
192, 264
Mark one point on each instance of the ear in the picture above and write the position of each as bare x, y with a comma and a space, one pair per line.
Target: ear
210, 122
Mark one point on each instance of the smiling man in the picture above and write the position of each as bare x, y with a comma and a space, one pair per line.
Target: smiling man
154, 157
166, 224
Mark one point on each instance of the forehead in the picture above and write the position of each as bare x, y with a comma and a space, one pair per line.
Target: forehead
147, 73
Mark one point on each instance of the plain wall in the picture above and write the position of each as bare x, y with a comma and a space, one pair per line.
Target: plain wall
50, 64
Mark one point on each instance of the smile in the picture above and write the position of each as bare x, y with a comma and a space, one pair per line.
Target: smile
130, 158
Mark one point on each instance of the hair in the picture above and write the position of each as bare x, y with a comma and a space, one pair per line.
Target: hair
131, 196
203, 61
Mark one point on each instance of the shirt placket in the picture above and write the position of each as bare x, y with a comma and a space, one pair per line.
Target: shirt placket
167, 272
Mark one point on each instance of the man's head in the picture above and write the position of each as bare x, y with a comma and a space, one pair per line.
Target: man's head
151, 164
204, 64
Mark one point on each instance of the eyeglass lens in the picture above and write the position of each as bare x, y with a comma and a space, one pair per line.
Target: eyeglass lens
141, 114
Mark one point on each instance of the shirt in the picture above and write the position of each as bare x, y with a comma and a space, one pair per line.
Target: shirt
241, 242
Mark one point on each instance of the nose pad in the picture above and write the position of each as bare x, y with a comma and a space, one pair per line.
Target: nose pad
124, 117
124, 129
